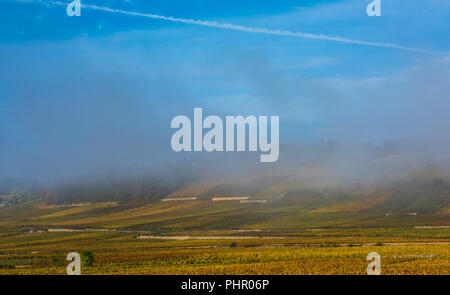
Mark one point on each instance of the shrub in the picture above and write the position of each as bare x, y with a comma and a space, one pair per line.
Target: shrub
87, 259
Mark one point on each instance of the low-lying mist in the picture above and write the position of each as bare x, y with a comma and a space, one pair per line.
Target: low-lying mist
103, 120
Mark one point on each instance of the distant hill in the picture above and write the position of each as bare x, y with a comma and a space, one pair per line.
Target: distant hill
318, 185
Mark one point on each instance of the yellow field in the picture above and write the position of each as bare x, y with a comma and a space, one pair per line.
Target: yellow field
123, 253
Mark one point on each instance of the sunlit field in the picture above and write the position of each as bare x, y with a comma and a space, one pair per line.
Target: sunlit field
121, 253
158, 239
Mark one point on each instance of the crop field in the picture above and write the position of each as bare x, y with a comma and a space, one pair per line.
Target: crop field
123, 253
288, 235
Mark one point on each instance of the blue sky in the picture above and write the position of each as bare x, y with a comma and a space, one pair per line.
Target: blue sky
93, 90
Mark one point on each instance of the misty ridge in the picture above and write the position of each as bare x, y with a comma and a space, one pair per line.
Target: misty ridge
319, 167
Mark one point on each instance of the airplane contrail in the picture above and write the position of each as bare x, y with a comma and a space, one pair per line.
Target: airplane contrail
241, 28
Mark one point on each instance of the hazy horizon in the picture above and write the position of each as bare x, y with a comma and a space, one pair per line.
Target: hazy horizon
88, 95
